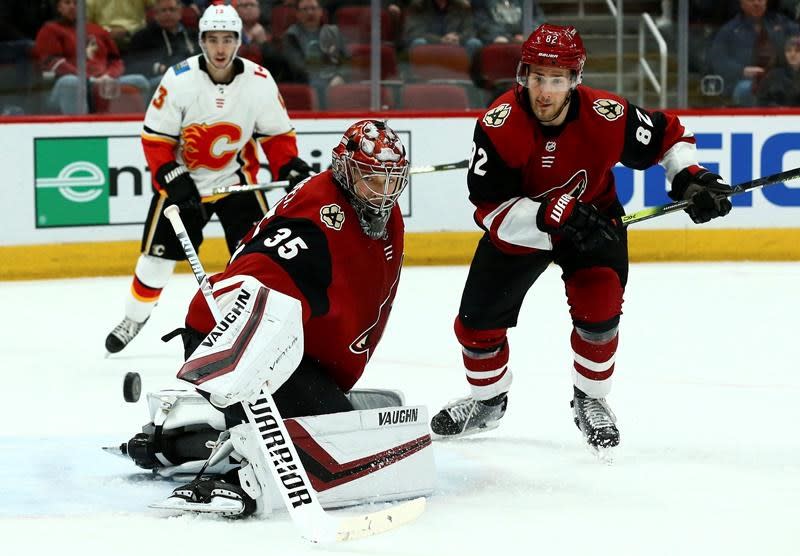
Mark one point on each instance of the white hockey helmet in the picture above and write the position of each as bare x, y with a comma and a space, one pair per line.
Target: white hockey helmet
220, 18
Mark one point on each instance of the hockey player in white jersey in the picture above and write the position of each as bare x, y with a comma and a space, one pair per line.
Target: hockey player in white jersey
202, 130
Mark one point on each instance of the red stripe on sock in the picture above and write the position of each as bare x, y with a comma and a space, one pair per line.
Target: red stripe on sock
145, 292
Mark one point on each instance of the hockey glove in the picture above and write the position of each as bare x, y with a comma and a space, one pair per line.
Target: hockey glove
296, 170
705, 191
579, 222
174, 178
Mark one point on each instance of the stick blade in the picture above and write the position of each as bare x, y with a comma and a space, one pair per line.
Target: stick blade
358, 527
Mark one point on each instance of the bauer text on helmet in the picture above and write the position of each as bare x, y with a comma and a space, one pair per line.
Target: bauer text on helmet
370, 164
555, 46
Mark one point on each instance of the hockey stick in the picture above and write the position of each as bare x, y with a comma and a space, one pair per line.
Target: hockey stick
283, 183
287, 469
648, 213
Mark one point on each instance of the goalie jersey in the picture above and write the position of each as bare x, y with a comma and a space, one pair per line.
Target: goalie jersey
215, 129
311, 246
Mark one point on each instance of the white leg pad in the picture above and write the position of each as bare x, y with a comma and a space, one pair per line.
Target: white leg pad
356, 457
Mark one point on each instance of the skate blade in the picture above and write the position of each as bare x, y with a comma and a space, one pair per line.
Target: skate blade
224, 507
480, 430
115, 451
604, 455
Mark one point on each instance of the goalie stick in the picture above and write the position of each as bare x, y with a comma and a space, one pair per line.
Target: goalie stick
283, 183
648, 213
284, 463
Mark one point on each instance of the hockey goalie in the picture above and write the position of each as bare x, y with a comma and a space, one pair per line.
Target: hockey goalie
304, 302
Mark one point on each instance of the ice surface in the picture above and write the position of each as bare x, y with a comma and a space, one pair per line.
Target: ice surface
706, 392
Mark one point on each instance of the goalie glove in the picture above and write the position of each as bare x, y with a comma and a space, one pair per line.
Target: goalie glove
296, 170
579, 222
706, 192
174, 178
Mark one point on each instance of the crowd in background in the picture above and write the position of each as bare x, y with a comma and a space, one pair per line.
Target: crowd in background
451, 53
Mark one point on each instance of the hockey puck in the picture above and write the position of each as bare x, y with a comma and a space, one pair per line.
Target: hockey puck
132, 387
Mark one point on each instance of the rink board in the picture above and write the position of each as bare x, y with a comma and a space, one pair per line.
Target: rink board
76, 192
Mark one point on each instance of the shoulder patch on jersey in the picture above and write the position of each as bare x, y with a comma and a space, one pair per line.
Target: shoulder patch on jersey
181, 67
332, 216
498, 115
610, 109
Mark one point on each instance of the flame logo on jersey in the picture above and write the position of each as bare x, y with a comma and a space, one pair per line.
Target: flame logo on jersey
210, 146
574, 187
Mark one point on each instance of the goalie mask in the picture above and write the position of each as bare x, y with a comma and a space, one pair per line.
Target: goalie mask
370, 164
220, 18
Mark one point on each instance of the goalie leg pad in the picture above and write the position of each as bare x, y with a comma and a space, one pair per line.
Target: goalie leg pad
258, 341
356, 457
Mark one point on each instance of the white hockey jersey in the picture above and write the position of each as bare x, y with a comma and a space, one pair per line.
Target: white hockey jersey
213, 128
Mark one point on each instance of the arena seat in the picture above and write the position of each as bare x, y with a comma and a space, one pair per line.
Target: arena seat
355, 96
434, 96
299, 96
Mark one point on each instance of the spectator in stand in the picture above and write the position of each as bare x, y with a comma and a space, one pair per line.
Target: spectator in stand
257, 43
500, 21
21, 19
316, 52
121, 18
747, 46
55, 49
790, 8
441, 22
781, 86
253, 31
164, 42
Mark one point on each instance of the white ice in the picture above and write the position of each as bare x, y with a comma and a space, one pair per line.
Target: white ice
706, 392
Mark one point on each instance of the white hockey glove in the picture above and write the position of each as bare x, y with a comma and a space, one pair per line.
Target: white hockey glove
258, 342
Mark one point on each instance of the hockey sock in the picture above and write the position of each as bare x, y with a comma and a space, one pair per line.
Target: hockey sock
150, 277
594, 363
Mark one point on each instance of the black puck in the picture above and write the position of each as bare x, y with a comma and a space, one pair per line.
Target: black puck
132, 387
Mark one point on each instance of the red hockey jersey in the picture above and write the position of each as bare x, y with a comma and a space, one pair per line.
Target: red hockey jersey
311, 246
517, 163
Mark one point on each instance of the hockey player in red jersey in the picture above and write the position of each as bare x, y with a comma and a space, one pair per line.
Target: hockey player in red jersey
202, 129
325, 263
541, 181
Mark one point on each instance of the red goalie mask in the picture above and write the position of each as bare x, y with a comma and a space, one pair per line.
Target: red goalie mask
370, 163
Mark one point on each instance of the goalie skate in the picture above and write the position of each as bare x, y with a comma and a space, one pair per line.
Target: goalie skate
597, 422
468, 416
122, 334
209, 496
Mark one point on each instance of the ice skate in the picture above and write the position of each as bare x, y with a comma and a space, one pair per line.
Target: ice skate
597, 422
468, 416
122, 334
211, 496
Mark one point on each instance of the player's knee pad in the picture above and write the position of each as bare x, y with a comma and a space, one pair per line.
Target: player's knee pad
257, 343
479, 340
594, 295
351, 457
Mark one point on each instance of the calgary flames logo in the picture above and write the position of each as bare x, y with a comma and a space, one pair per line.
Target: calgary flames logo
574, 187
210, 146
